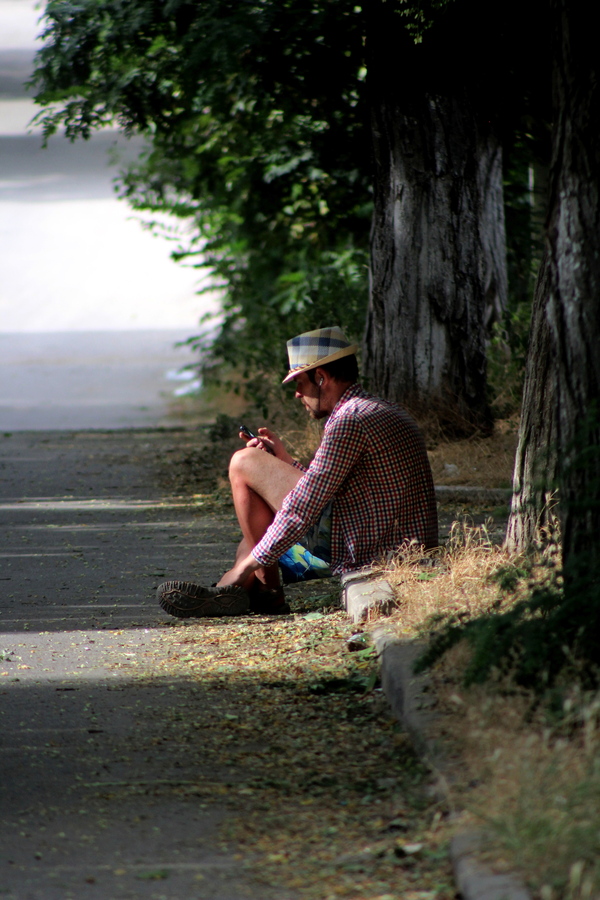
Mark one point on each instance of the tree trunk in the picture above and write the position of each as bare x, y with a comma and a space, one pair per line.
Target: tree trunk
574, 303
534, 480
560, 427
438, 258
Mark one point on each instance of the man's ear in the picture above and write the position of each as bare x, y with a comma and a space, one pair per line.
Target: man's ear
320, 376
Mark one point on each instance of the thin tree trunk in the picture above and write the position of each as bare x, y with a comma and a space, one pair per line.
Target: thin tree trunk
438, 257
535, 473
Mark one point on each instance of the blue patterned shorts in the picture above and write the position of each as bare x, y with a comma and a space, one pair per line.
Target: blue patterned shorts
311, 557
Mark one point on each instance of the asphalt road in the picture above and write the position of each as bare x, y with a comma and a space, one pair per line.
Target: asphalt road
96, 799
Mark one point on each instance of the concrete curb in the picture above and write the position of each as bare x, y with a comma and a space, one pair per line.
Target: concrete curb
467, 494
412, 704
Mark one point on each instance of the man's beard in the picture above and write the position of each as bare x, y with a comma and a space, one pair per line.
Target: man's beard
317, 413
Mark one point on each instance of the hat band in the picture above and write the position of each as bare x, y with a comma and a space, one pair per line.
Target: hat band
298, 368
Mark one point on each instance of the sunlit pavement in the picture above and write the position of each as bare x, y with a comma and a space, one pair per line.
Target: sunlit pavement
91, 305
105, 379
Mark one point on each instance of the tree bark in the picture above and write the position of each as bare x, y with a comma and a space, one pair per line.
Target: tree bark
574, 302
560, 428
535, 474
438, 256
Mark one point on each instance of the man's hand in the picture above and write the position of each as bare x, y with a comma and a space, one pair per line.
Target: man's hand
242, 572
269, 442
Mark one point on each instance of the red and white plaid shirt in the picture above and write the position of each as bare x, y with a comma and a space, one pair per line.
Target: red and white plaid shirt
373, 464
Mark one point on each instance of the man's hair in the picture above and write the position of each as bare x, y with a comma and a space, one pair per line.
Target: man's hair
344, 369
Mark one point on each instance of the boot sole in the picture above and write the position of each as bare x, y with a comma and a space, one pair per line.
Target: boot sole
185, 600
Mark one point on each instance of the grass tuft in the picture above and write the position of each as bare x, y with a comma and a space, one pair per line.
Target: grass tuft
454, 581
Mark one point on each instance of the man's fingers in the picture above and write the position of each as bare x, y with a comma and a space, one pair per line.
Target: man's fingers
257, 443
268, 447
269, 437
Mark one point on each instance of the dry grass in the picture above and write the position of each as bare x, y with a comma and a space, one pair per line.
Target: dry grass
536, 782
529, 773
302, 439
455, 581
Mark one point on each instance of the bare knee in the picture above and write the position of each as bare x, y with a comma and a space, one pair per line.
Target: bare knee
243, 463
269, 477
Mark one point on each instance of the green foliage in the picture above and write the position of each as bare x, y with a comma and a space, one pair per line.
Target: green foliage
255, 117
328, 289
257, 128
532, 640
506, 358
419, 17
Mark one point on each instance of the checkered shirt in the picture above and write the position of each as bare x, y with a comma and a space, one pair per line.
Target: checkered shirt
373, 465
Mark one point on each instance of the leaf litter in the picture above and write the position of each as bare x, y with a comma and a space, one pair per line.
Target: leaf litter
326, 795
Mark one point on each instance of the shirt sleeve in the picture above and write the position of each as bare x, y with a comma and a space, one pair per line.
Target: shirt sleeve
344, 441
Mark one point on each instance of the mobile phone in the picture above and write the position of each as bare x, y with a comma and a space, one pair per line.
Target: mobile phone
250, 434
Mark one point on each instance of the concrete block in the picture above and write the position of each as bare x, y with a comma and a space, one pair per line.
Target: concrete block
474, 880
365, 595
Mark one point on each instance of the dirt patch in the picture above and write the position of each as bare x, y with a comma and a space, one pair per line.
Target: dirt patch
197, 463
479, 461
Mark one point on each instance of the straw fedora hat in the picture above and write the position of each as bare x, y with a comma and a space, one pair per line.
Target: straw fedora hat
316, 348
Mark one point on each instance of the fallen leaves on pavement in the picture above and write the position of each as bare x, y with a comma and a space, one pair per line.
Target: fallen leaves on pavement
327, 796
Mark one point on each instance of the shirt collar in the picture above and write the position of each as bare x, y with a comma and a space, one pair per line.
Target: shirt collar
354, 390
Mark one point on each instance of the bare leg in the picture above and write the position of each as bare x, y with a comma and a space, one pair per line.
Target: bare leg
259, 484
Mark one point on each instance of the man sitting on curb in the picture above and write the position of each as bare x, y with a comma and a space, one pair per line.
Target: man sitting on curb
367, 493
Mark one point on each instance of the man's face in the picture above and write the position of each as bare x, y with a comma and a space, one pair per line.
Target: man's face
309, 395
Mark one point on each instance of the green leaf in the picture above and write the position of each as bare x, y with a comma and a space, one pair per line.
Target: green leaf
155, 875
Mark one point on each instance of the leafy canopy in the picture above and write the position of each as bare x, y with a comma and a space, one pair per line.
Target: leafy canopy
254, 115
256, 120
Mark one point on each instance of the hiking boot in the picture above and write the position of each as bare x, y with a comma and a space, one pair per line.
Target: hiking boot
268, 602
186, 600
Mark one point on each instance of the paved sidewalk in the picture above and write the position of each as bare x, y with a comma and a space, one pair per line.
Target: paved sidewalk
86, 537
